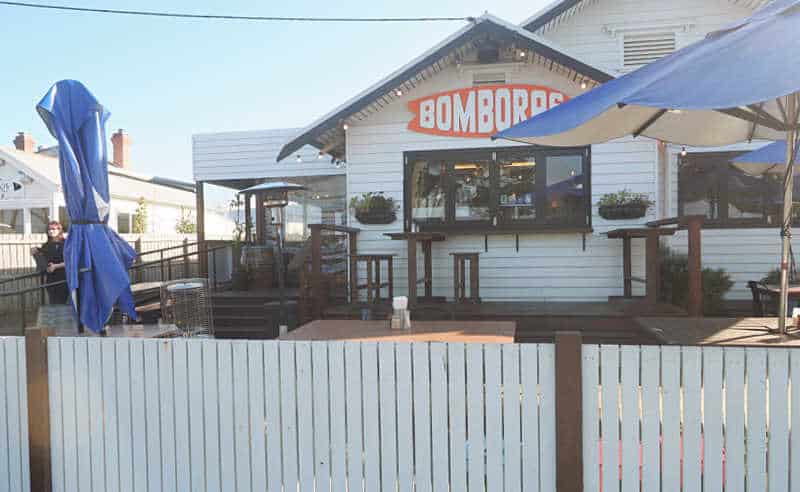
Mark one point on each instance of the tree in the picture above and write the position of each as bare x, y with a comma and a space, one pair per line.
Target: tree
185, 224
140, 217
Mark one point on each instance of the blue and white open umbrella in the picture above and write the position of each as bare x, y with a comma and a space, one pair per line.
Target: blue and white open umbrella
739, 83
769, 159
96, 258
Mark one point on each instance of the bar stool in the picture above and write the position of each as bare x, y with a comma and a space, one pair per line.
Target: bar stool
460, 277
374, 285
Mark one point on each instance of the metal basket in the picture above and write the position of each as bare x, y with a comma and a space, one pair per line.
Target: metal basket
186, 303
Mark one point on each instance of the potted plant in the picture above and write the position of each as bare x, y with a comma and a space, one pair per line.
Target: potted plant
374, 208
624, 205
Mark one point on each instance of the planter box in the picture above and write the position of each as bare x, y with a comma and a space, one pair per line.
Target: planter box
622, 212
372, 217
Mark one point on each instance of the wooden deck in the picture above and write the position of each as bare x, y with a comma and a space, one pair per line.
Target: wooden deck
757, 332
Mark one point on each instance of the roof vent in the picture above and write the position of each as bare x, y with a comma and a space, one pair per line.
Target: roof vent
488, 78
643, 48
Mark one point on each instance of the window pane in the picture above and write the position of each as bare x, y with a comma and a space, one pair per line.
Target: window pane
747, 195
11, 222
428, 190
39, 219
564, 190
124, 223
473, 188
699, 188
517, 185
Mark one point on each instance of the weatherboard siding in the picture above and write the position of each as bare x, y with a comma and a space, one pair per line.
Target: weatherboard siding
590, 36
251, 154
547, 266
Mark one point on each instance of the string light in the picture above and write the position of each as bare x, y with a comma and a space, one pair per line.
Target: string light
683, 152
345, 127
299, 158
522, 53
320, 155
583, 84
398, 93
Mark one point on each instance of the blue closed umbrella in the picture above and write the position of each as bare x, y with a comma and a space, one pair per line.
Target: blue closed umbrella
739, 83
96, 258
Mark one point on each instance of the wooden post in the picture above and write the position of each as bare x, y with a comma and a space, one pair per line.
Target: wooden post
390, 274
412, 270
694, 226
261, 221
137, 245
38, 409
626, 267
456, 279
569, 412
201, 229
248, 221
473, 278
186, 272
427, 246
316, 271
353, 240
651, 259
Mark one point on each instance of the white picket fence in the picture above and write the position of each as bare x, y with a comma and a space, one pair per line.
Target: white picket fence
690, 418
132, 415
14, 458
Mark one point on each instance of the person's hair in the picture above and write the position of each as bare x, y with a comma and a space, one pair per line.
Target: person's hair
56, 223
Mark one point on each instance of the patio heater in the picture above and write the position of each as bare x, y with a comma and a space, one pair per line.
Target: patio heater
270, 196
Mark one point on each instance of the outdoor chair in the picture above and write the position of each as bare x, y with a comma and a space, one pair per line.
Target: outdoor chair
764, 300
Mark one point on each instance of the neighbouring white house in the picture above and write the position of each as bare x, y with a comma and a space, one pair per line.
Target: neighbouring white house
421, 136
31, 195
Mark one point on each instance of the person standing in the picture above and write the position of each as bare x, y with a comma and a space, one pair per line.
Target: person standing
52, 252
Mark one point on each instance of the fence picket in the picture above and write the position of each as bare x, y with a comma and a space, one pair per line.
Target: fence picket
355, 459
288, 430
671, 418
712, 419
778, 445
82, 418
756, 418
180, 378
734, 419
609, 420
794, 403
405, 426
590, 382
322, 427
475, 427
257, 416
529, 368
167, 417
494, 417
439, 429
273, 424
124, 406
151, 415
241, 421
305, 417
651, 422
388, 416
111, 418
372, 443
692, 454
458, 417
629, 417
547, 416
511, 418
211, 401
338, 418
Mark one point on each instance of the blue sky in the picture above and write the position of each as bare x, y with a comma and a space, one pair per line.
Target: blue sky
165, 79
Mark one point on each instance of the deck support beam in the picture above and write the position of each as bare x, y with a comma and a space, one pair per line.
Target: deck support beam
694, 226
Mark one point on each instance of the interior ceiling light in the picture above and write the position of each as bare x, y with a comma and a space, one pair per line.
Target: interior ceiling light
465, 167
521, 164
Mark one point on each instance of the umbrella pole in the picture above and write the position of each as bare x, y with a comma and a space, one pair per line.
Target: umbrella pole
786, 225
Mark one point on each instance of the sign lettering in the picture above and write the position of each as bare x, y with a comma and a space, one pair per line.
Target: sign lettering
9, 188
480, 112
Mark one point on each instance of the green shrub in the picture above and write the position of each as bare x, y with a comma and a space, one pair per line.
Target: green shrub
674, 288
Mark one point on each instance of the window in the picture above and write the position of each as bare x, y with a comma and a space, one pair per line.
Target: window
39, 219
123, 223
508, 189
11, 221
709, 185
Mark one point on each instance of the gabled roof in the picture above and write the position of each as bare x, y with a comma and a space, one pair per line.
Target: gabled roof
44, 167
559, 9
326, 133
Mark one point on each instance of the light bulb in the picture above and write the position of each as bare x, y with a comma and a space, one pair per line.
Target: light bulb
522, 53
398, 93
320, 155
683, 152
583, 84
345, 127
299, 158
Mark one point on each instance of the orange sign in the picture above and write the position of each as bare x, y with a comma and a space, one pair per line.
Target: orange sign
479, 112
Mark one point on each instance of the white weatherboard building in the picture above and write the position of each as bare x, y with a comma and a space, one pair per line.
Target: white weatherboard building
31, 194
421, 136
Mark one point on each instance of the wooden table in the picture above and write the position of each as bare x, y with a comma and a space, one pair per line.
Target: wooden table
426, 239
421, 331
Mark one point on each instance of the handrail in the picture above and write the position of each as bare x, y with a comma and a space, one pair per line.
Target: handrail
139, 255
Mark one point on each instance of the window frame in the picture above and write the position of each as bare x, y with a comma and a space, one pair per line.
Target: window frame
494, 156
721, 181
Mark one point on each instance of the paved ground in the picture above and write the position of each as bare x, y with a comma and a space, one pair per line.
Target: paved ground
720, 331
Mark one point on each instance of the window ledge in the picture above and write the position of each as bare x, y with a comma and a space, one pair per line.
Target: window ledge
481, 230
